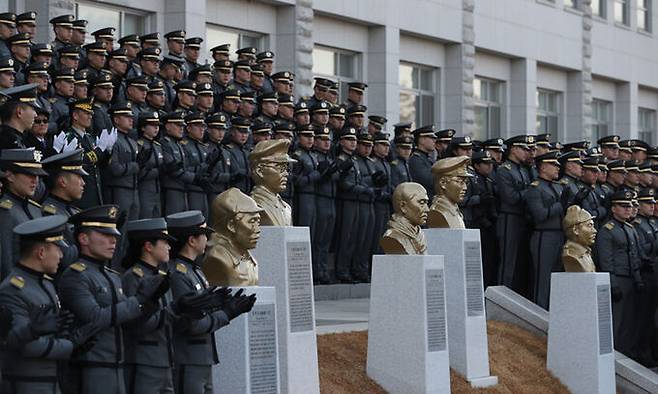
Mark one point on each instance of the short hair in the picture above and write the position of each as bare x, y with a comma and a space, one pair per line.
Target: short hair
27, 246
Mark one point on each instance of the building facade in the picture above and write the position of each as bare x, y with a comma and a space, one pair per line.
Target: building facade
574, 68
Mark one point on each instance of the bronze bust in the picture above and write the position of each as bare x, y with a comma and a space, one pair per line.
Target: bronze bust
404, 234
449, 176
269, 169
579, 229
228, 261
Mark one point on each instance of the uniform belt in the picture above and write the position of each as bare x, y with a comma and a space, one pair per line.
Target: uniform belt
31, 379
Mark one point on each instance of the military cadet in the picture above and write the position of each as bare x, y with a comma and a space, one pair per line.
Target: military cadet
512, 181
356, 117
136, 91
221, 78
63, 28
443, 139
543, 200
19, 46
632, 178
105, 36
28, 290
204, 98
376, 123
347, 205
185, 97
201, 74
495, 148
96, 58
155, 97
169, 68
257, 79
150, 159
93, 293
460, 146
175, 176
281, 82
95, 148
320, 88
325, 204
196, 154
22, 171
120, 175
336, 122
191, 50
241, 76
195, 344
247, 105
247, 54
366, 197
354, 94
639, 150
332, 93
320, 113
400, 171
150, 40
63, 82
618, 253
175, 45
266, 61
7, 26
260, 131
80, 85
593, 202
572, 167
646, 174
305, 176
221, 52
69, 56
42, 52
149, 62
102, 93
420, 162
239, 155
37, 73
7, 73
383, 188
130, 44
230, 102
219, 161
283, 130
625, 150
302, 116
17, 115
542, 143
398, 129
609, 146
614, 181
646, 228
79, 32
286, 107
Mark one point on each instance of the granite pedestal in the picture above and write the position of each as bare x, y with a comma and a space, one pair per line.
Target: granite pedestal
467, 325
248, 355
284, 261
580, 339
407, 330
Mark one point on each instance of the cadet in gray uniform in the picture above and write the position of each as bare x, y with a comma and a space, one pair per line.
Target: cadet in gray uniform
543, 200
102, 91
93, 293
194, 342
420, 162
196, 153
383, 188
7, 26
366, 197
305, 176
617, 253
239, 156
150, 158
593, 201
22, 171
28, 290
400, 164
219, 162
174, 175
63, 85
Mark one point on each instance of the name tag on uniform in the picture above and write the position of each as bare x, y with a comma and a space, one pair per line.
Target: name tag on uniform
197, 286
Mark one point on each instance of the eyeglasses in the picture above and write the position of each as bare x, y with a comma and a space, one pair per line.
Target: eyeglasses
41, 121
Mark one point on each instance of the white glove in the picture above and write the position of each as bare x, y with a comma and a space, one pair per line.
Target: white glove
102, 140
59, 141
71, 146
114, 134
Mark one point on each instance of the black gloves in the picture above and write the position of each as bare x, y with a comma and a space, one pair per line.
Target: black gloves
580, 196
238, 304
194, 305
6, 320
379, 179
345, 165
44, 321
323, 166
615, 294
172, 166
143, 156
486, 197
564, 199
203, 180
152, 288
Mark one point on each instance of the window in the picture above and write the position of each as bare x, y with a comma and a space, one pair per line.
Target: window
571, 3
126, 21
646, 120
338, 65
218, 35
601, 118
488, 99
644, 15
622, 11
548, 113
416, 94
598, 8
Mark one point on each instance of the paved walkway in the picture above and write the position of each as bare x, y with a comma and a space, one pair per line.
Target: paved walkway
341, 315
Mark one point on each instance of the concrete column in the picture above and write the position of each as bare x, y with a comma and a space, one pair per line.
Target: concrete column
188, 15
294, 44
578, 108
383, 69
625, 110
523, 97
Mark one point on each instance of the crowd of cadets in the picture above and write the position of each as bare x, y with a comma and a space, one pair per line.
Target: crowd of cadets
161, 134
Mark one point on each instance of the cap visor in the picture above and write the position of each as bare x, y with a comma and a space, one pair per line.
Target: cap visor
107, 230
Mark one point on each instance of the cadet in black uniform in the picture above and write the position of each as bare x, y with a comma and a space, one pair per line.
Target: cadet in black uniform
19, 45
185, 97
305, 176
400, 171
7, 26
382, 181
17, 115
420, 162
175, 176
266, 61
354, 95
219, 161
102, 92
365, 193
196, 154
241, 76
150, 158
593, 201
443, 139
63, 28
63, 83
239, 155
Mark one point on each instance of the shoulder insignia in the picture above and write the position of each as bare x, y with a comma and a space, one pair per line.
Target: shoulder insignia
52, 100
507, 166
564, 182
180, 267
17, 281
6, 204
416, 154
609, 225
183, 142
34, 203
298, 153
138, 271
50, 209
394, 162
534, 183
140, 141
637, 221
78, 267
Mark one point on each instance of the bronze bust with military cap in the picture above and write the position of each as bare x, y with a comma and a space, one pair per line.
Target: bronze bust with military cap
236, 218
404, 234
450, 187
579, 230
269, 169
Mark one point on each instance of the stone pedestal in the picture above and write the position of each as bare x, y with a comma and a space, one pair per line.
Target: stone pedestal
248, 355
467, 324
284, 261
407, 331
580, 339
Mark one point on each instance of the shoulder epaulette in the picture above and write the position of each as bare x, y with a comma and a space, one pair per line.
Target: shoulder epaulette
138, 271
17, 281
298, 153
416, 154
52, 100
637, 221
6, 204
180, 267
34, 203
534, 183
507, 165
183, 142
395, 162
609, 225
140, 141
78, 267
50, 209
564, 182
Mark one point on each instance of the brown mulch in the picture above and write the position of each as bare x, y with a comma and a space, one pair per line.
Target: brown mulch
516, 356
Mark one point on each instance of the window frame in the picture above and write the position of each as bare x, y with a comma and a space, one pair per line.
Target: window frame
420, 93
643, 129
626, 13
342, 80
488, 103
547, 113
646, 13
603, 9
120, 30
596, 122
263, 42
